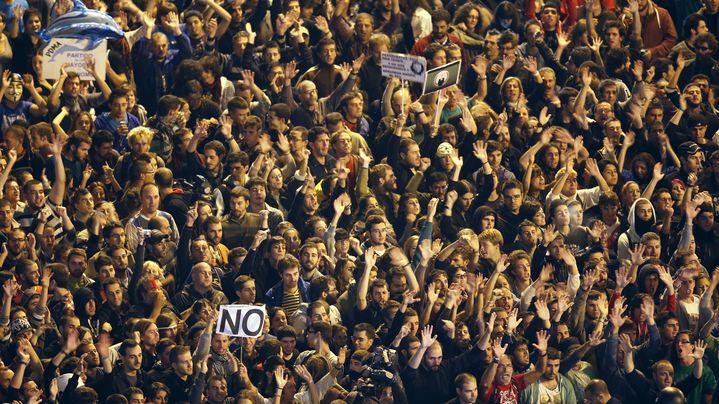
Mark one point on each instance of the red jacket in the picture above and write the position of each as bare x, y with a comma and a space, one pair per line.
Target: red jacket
658, 31
422, 44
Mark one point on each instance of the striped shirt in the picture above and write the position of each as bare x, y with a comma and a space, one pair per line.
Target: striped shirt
291, 301
28, 218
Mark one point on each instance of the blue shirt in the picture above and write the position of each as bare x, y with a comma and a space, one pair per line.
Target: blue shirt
8, 116
9, 12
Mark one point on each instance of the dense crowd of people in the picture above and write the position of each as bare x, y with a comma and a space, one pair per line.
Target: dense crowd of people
543, 231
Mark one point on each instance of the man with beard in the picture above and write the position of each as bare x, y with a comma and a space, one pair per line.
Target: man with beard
179, 380
34, 192
291, 290
354, 41
690, 155
321, 293
312, 109
200, 288
154, 64
168, 113
641, 220
370, 311
326, 75
160, 249
319, 338
114, 310
127, 374
440, 26
240, 226
704, 62
705, 234
150, 207
212, 229
28, 274
710, 11
427, 374
258, 197
551, 386
690, 375
384, 184
320, 161
465, 386
499, 384
310, 260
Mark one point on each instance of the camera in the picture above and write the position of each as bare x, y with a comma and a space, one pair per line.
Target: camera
146, 233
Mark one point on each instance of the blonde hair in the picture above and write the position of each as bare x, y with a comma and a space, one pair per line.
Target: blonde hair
492, 235
140, 133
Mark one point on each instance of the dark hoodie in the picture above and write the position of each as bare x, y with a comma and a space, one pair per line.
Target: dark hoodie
81, 297
637, 228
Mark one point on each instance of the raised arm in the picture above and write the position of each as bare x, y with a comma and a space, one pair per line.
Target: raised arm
363, 284
57, 192
425, 342
541, 348
490, 372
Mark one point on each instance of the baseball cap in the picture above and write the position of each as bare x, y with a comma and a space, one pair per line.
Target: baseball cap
156, 236
688, 148
19, 326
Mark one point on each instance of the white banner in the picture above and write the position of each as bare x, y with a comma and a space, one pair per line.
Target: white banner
241, 320
405, 67
72, 53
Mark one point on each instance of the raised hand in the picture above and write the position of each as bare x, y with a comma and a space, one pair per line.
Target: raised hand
427, 340
432, 293
625, 343
480, 150
498, 349
508, 61
665, 276
542, 309
302, 372
531, 65
622, 278
550, 234
281, 378
589, 279
357, 63
544, 118
542, 342
595, 338
290, 71
648, 308
636, 254
615, 315
10, 287
513, 322
480, 65
192, 215
657, 173
699, 348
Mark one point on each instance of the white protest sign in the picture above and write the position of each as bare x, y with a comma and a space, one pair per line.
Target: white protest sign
72, 53
241, 320
405, 67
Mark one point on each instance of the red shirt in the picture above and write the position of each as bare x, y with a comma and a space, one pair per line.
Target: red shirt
505, 393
